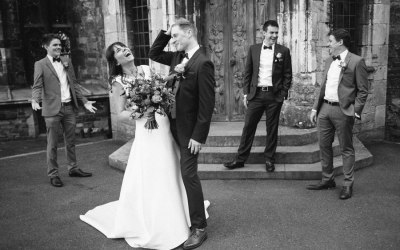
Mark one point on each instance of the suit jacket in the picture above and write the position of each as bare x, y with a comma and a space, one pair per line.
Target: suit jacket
353, 85
195, 96
47, 87
281, 72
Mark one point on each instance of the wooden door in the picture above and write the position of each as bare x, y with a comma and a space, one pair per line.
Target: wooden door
228, 28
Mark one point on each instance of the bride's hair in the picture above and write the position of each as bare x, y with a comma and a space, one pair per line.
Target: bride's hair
114, 69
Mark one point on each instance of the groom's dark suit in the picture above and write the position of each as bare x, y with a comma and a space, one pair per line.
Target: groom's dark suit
195, 99
47, 89
262, 100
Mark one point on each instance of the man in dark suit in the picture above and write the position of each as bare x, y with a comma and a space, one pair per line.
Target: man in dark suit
56, 87
267, 79
342, 97
191, 115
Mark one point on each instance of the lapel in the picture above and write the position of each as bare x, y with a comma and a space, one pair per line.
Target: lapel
191, 61
346, 61
52, 69
327, 66
257, 54
276, 51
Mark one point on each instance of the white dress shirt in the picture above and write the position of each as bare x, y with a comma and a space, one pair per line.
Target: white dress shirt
62, 76
265, 70
332, 81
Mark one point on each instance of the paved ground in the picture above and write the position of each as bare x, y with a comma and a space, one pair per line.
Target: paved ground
245, 214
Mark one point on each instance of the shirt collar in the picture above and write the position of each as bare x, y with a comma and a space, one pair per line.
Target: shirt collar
192, 51
263, 44
343, 55
50, 58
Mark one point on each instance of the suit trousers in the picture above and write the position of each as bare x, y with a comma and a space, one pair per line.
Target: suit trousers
66, 118
331, 119
191, 180
262, 102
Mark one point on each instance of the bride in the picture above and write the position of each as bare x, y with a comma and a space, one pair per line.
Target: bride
152, 210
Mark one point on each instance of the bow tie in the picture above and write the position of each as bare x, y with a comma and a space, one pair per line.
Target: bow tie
267, 47
56, 59
336, 57
186, 55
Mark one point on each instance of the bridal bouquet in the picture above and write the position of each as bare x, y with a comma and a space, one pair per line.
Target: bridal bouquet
147, 96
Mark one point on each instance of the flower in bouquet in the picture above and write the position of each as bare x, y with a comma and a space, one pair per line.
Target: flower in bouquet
147, 96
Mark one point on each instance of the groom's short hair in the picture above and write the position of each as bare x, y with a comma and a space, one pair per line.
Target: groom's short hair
341, 34
185, 25
268, 23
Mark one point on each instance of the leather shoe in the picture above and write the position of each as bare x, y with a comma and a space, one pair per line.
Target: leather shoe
270, 167
346, 192
322, 185
56, 181
196, 238
234, 164
77, 172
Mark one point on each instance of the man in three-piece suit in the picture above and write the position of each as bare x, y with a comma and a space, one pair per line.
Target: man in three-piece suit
191, 115
267, 79
341, 99
56, 87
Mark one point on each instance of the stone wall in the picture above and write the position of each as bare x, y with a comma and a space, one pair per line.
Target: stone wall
393, 79
16, 122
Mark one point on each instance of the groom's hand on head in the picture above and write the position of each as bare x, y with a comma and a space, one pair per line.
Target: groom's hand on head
194, 146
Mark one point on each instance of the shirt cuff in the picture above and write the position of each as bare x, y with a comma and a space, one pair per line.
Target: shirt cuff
314, 110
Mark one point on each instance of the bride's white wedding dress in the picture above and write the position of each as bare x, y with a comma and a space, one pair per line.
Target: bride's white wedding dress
152, 210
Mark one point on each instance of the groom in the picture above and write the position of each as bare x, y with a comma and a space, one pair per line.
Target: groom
191, 115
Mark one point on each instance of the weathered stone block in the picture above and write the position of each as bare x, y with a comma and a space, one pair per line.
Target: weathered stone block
380, 116
380, 73
380, 34
379, 92
381, 13
295, 116
366, 39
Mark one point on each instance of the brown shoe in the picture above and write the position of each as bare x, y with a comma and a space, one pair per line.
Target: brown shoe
76, 172
346, 192
196, 238
56, 181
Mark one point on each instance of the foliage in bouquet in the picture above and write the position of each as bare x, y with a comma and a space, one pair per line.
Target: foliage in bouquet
147, 96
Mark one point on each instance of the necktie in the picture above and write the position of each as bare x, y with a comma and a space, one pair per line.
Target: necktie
267, 47
336, 57
186, 55
56, 59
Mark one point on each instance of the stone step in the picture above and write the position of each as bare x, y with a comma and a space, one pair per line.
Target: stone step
284, 154
227, 134
284, 171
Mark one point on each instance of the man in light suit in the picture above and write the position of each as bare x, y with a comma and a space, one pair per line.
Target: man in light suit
341, 99
267, 79
56, 87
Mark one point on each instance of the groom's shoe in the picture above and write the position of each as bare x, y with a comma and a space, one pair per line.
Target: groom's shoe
322, 185
269, 167
196, 238
234, 164
77, 172
56, 181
